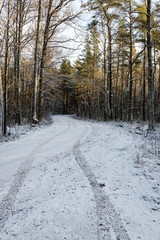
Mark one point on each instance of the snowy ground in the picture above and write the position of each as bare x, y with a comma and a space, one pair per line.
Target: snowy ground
79, 180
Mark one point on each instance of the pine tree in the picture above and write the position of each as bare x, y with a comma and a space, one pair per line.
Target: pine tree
142, 20
66, 67
122, 40
66, 85
150, 68
95, 60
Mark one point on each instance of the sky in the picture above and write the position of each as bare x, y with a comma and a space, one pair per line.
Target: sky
75, 31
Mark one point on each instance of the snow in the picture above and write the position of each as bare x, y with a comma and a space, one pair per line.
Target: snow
77, 180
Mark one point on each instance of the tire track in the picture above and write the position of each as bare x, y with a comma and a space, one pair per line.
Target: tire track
7, 202
40, 145
109, 225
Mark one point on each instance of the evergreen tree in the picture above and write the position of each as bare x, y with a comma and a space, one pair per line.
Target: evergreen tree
66, 67
141, 22
67, 84
150, 68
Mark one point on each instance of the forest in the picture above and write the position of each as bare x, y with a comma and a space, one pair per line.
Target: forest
114, 76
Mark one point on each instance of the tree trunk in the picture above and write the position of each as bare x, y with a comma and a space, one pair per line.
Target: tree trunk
159, 93
6, 72
1, 87
19, 62
122, 84
130, 112
35, 74
109, 77
150, 68
15, 64
110, 72
144, 82
117, 87
45, 41
105, 79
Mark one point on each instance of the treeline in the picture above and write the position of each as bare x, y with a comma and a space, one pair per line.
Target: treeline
118, 74
116, 77
29, 39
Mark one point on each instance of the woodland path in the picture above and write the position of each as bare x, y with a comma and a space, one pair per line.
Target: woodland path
48, 190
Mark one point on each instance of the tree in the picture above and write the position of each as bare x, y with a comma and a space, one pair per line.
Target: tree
84, 75
21, 12
1, 88
95, 61
105, 8
6, 70
36, 62
142, 21
66, 86
122, 40
130, 112
150, 68
66, 67
51, 26
104, 66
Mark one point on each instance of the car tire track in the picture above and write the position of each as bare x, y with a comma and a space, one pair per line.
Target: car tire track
7, 202
109, 225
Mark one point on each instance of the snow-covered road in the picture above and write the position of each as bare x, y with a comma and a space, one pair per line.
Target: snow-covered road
76, 180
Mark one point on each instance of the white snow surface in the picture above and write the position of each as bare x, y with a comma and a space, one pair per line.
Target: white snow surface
77, 179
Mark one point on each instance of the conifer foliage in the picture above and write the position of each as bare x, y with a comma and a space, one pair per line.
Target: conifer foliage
118, 74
